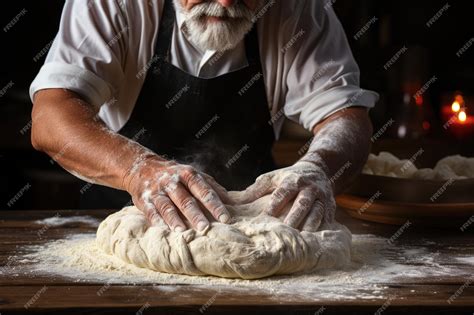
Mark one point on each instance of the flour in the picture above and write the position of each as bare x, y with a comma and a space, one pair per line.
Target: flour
58, 221
467, 260
375, 264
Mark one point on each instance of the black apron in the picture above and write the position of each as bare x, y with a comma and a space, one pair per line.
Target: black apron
218, 125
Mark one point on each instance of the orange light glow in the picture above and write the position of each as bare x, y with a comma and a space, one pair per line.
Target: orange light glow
459, 98
456, 106
462, 116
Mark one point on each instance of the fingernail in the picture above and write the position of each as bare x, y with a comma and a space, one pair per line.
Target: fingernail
179, 229
201, 226
224, 218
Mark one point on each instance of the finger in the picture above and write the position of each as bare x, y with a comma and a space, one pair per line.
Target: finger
169, 213
220, 190
262, 186
329, 209
203, 192
187, 205
301, 207
148, 210
280, 198
313, 221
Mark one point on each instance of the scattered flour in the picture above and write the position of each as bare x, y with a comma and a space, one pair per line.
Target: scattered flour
58, 221
466, 260
375, 265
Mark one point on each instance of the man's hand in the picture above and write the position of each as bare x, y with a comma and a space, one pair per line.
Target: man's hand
307, 184
164, 190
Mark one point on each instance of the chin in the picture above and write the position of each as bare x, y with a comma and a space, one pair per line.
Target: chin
217, 35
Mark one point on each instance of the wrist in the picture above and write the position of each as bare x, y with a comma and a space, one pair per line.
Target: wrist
314, 161
137, 171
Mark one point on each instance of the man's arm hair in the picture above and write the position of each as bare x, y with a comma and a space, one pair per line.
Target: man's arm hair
70, 131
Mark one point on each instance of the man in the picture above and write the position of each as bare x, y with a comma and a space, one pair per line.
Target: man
135, 92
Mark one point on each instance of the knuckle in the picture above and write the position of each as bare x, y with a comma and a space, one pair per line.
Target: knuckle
196, 217
188, 172
152, 215
280, 194
187, 203
305, 202
300, 181
167, 211
208, 195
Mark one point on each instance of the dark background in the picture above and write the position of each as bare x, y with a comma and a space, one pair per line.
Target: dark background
431, 51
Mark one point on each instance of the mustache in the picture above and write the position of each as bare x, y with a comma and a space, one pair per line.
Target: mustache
211, 8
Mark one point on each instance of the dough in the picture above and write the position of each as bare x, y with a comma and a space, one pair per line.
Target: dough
255, 245
452, 167
387, 164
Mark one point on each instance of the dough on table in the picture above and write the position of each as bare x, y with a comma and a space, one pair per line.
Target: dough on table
254, 245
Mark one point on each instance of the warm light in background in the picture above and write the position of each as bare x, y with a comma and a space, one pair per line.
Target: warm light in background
419, 100
456, 106
459, 98
462, 116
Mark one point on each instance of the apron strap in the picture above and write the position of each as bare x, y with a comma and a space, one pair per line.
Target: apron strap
165, 32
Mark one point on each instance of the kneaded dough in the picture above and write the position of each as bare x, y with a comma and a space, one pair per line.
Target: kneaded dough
451, 167
387, 164
253, 246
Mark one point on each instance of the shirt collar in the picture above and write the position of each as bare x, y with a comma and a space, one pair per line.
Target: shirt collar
180, 19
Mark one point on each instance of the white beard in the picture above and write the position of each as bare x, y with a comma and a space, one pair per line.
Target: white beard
222, 35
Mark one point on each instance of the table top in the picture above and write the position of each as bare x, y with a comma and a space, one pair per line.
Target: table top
449, 293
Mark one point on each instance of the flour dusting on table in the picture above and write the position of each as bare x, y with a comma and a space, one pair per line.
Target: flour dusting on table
58, 220
375, 265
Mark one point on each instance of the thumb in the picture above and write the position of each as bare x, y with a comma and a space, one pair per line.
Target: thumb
263, 185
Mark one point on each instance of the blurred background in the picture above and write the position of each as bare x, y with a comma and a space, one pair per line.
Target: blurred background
416, 53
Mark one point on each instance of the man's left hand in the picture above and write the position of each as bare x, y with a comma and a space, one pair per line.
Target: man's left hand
307, 184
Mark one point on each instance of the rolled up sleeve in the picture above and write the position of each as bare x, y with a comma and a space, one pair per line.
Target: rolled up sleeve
323, 77
88, 52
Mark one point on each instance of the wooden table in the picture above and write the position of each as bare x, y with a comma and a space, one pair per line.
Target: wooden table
57, 295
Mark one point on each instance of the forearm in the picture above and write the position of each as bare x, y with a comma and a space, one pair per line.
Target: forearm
341, 144
69, 130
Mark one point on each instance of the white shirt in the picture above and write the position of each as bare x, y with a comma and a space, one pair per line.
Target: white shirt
104, 47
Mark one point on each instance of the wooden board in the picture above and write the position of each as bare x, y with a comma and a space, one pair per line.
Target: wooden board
57, 295
390, 212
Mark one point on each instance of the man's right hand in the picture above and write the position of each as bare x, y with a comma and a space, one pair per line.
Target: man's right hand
171, 191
